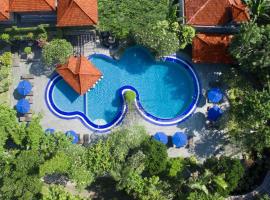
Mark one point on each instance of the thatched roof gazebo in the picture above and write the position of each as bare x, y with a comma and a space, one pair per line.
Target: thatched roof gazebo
79, 73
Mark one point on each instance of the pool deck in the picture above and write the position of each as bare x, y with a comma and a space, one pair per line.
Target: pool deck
206, 142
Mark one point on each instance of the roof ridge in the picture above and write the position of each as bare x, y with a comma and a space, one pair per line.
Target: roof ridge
69, 6
84, 11
49, 4
202, 7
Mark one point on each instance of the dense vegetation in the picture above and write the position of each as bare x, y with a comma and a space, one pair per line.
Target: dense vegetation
139, 165
5, 75
151, 23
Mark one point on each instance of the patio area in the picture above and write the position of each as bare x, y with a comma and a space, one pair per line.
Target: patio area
207, 141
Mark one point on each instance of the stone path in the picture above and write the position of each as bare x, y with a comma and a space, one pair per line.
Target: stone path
263, 189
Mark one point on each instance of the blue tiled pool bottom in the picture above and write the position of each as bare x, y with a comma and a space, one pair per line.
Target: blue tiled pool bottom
166, 89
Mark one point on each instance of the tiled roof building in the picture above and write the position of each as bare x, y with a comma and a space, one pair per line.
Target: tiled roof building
69, 12
32, 5
215, 12
4, 10
211, 48
77, 12
79, 73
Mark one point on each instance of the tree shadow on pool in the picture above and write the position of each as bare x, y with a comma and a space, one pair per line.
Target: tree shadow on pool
136, 62
173, 78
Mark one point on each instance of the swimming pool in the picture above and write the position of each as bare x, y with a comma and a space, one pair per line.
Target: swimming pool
167, 91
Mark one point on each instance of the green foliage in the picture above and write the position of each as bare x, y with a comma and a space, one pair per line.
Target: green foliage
260, 10
34, 134
250, 115
187, 33
27, 50
160, 37
25, 33
30, 36
130, 96
56, 52
176, 166
58, 193
156, 156
203, 196
264, 197
20, 181
251, 49
231, 168
5, 71
9, 127
126, 16
60, 163
5, 37
144, 188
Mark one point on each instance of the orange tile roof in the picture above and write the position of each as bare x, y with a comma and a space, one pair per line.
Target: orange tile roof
32, 5
211, 48
79, 73
215, 12
77, 12
4, 10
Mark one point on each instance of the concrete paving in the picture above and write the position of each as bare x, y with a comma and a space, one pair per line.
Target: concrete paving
206, 142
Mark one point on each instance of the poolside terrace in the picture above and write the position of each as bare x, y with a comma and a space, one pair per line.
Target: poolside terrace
207, 141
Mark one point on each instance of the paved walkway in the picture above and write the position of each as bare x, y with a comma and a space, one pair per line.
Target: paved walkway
263, 189
207, 142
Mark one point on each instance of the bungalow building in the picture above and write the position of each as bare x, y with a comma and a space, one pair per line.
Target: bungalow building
61, 12
215, 21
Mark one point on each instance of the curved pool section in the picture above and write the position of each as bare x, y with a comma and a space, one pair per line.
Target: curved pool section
167, 91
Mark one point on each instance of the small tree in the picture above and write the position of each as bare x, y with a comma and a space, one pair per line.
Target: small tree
27, 50
56, 52
156, 156
130, 96
5, 37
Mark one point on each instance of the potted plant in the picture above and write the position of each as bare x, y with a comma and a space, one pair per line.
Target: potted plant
27, 51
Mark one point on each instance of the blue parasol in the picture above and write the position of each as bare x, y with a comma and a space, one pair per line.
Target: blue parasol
23, 106
24, 87
161, 137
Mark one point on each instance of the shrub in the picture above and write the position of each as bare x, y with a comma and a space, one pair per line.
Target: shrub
156, 156
130, 96
5, 37
27, 50
30, 36
232, 168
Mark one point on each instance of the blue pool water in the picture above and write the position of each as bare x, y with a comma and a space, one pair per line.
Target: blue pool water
166, 89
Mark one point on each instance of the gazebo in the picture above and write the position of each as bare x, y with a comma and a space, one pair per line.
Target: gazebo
79, 73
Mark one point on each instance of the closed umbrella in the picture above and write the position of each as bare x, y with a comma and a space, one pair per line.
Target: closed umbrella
214, 113
161, 137
23, 106
179, 139
24, 87
215, 95
73, 135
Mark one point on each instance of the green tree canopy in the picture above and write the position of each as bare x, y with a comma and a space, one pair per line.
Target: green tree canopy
251, 49
56, 52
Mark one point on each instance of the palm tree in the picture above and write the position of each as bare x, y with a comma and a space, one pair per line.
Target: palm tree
260, 10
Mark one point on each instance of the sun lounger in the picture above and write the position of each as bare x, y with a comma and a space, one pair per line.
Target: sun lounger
190, 142
30, 99
26, 118
86, 139
30, 94
27, 76
79, 139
